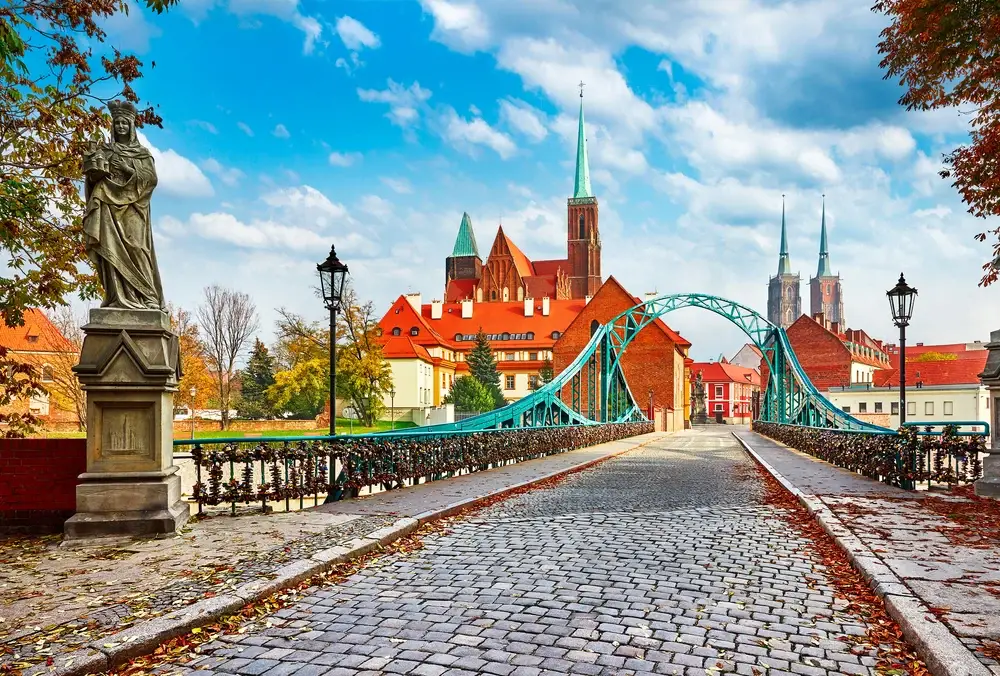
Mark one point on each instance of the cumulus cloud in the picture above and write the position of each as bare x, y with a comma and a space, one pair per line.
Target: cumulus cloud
461, 25
281, 131
400, 185
355, 35
344, 159
176, 174
523, 118
231, 176
404, 103
285, 10
305, 204
466, 135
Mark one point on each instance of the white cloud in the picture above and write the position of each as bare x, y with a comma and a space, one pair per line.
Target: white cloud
229, 175
207, 126
350, 63
177, 175
400, 185
129, 31
344, 159
404, 102
355, 35
307, 205
524, 119
376, 206
465, 135
245, 128
286, 10
460, 25
281, 131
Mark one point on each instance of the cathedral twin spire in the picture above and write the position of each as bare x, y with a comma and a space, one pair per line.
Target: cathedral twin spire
784, 261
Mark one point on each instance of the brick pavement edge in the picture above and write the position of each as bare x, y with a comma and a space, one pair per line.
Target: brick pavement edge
141, 639
941, 650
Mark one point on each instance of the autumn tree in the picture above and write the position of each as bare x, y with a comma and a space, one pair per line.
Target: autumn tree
946, 54
302, 366
194, 366
363, 374
228, 320
483, 367
56, 77
64, 387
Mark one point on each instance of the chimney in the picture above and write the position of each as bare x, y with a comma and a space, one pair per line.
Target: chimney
835, 327
467, 308
529, 306
586, 300
414, 300
437, 308
545, 306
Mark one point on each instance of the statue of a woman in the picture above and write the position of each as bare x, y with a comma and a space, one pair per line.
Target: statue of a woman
120, 178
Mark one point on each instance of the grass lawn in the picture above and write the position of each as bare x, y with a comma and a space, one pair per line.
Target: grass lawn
344, 426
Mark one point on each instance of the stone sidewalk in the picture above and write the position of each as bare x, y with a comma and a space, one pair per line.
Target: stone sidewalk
55, 600
940, 549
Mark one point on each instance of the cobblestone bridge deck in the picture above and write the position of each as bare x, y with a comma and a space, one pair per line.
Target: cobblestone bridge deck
664, 560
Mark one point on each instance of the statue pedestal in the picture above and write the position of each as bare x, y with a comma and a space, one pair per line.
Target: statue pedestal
989, 485
128, 368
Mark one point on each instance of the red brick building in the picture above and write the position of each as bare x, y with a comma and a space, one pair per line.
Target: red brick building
509, 275
653, 363
729, 389
832, 357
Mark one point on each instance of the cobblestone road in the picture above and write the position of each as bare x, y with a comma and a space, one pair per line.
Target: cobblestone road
661, 561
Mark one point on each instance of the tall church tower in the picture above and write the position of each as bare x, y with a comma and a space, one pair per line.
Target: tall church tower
784, 302
583, 238
464, 261
824, 289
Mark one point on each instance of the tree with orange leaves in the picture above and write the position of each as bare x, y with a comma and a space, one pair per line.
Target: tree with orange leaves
946, 53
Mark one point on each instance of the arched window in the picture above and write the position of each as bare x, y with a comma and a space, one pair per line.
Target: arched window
47, 374
396, 331
583, 228
520, 293
414, 331
506, 294
555, 335
479, 295
594, 325
493, 294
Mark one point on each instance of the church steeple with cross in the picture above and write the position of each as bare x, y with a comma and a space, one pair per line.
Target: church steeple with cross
583, 235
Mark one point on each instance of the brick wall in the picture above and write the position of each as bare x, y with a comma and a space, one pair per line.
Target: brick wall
822, 355
651, 361
38, 479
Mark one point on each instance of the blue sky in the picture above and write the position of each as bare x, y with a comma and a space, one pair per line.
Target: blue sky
289, 125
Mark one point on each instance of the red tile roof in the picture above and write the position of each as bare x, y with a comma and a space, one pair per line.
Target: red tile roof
403, 347
720, 372
539, 287
521, 262
550, 267
949, 372
38, 334
460, 289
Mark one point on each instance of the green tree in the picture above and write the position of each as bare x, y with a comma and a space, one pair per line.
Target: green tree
546, 374
301, 391
483, 367
470, 396
363, 374
255, 379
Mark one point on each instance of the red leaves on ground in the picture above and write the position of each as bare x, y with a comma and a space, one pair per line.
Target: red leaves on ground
895, 655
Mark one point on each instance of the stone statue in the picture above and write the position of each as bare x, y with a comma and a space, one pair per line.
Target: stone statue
699, 412
120, 178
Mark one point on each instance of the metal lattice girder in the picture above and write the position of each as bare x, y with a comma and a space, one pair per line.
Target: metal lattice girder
790, 397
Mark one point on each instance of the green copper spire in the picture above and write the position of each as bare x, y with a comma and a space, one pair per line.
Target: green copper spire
824, 255
581, 186
465, 243
784, 265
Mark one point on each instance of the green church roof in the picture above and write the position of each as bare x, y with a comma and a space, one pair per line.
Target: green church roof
465, 243
581, 185
784, 264
824, 255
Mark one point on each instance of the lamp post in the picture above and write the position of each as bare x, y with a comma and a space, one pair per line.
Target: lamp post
194, 391
901, 299
392, 405
332, 274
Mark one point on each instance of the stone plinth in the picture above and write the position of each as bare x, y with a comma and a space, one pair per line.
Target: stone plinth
129, 366
989, 485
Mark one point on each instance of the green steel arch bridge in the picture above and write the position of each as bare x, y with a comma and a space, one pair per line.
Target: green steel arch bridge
593, 389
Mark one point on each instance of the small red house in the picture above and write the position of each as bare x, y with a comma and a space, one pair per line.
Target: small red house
729, 389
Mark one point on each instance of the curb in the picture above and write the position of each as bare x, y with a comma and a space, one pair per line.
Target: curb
944, 654
141, 639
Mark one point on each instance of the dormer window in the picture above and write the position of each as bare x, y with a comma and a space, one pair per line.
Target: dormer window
414, 331
396, 331
32, 339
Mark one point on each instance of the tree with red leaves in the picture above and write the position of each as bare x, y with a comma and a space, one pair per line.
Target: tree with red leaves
946, 53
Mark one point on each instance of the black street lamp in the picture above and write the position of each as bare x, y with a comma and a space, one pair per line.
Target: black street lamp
332, 274
392, 405
901, 299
